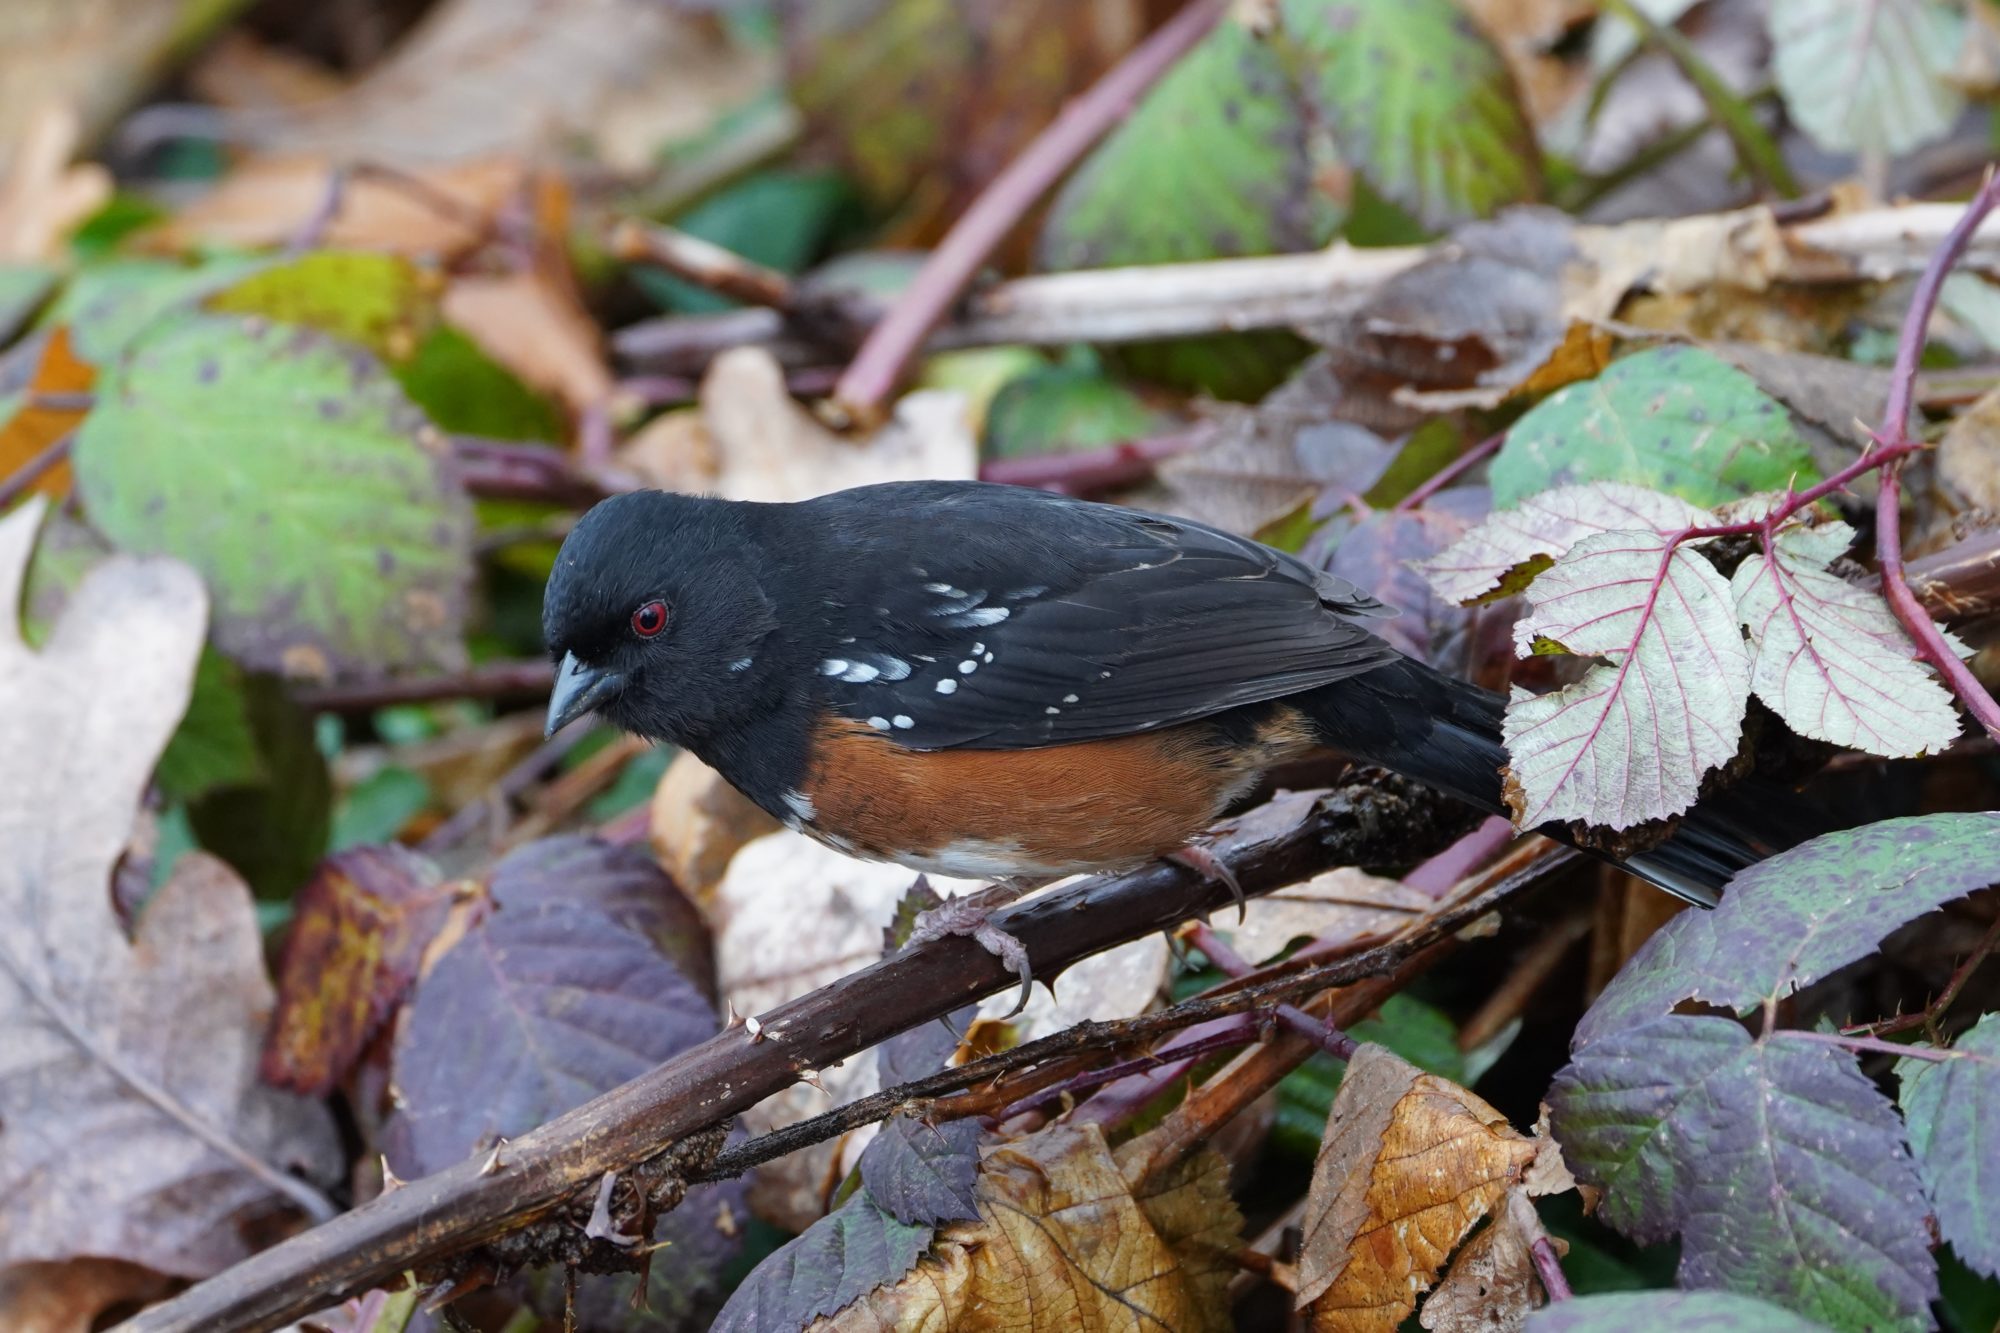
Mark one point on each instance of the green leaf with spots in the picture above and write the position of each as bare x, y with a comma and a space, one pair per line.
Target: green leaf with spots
107, 306
1420, 103
1216, 161
1682, 1311
1869, 77
1062, 409
1676, 419
1953, 1109
292, 473
384, 302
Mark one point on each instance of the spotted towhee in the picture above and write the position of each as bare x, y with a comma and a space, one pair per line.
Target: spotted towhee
989, 681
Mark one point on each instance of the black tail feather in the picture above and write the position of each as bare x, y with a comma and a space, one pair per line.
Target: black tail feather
1445, 732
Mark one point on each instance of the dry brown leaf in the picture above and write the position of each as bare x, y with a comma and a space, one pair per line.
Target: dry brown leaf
1409, 1165
267, 200
132, 1122
1968, 457
482, 77
674, 452
531, 322
240, 71
71, 1297
32, 428
1346, 904
1117, 983
94, 57
1548, 1173
698, 822
42, 196
771, 448
1064, 1241
1491, 1284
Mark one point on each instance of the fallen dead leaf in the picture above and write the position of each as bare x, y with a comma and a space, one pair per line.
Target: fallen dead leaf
531, 322
674, 452
1410, 1164
42, 195
771, 448
1117, 983
1345, 905
51, 368
1968, 457
698, 822
72, 1297
1064, 1240
1491, 1284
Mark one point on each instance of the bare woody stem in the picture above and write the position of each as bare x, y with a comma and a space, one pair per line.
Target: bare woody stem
879, 365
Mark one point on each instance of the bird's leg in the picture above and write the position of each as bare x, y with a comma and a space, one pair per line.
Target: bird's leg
971, 914
1208, 865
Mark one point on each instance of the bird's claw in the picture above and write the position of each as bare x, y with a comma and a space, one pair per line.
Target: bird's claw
971, 915
1208, 865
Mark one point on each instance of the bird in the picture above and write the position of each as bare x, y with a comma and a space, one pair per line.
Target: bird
1004, 683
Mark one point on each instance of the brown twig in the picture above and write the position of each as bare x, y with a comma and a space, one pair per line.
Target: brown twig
1893, 437
685, 1098
703, 263
1928, 1016
493, 680
508, 470
511, 784
879, 365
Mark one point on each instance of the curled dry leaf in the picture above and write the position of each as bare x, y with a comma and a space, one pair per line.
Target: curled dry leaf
1345, 904
72, 1297
131, 1120
1409, 1165
1064, 1240
531, 322
770, 448
1490, 1286
1632, 740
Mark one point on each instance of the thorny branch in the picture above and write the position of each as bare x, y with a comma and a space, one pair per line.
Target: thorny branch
1386, 821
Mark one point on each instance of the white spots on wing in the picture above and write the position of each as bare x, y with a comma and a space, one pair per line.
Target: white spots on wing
1104, 675
860, 673
801, 807
946, 590
968, 666
1069, 698
904, 721
989, 657
1052, 710
984, 615
1026, 594
879, 723
947, 685
848, 639
740, 664
978, 648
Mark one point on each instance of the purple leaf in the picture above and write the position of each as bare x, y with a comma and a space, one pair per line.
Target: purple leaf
1682, 1311
922, 1051
1953, 1109
1793, 919
1780, 1165
1379, 555
537, 1010
833, 1263
625, 883
923, 1173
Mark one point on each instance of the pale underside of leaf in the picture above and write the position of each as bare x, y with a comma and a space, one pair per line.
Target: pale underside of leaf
1509, 547
1868, 75
1831, 658
1631, 741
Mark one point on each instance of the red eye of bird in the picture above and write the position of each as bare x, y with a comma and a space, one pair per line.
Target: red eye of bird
649, 619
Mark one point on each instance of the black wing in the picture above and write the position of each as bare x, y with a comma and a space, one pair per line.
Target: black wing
994, 617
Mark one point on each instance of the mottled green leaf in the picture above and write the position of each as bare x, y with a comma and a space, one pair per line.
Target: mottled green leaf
1782, 1168
1419, 101
1216, 161
1681, 1311
108, 305
1064, 408
1677, 419
291, 472
1868, 77
1953, 1110
382, 301
1789, 921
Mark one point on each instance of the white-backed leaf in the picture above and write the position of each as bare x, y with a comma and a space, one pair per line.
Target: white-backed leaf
1631, 740
1831, 658
1859, 76
1501, 555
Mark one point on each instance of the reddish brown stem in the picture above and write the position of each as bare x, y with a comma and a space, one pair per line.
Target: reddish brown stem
1453, 470
495, 680
703, 263
1893, 436
885, 354
1092, 471
34, 469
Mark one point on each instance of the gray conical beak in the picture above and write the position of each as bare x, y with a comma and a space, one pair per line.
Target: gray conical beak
578, 690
